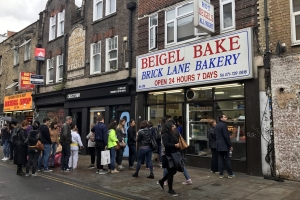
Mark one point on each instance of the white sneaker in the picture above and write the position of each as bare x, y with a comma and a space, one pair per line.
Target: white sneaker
6, 159
3, 158
34, 174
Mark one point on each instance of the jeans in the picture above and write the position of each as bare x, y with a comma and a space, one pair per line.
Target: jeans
45, 157
112, 152
33, 156
214, 161
65, 155
53, 148
92, 153
100, 146
6, 145
132, 154
144, 151
119, 156
223, 157
185, 173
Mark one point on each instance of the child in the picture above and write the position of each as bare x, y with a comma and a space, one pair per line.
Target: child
76, 141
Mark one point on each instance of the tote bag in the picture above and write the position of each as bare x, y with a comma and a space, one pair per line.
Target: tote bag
105, 157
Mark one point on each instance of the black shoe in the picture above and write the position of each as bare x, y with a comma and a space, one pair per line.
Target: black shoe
151, 176
161, 184
173, 193
135, 175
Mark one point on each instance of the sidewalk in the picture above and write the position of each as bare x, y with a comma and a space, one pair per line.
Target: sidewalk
205, 185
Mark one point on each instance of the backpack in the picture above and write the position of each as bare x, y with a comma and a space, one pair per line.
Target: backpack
92, 137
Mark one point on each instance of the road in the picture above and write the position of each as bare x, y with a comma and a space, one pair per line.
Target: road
49, 186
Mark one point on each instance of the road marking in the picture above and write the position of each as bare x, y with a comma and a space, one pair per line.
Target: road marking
115, 196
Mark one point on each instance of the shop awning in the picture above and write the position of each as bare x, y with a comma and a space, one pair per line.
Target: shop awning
12, 85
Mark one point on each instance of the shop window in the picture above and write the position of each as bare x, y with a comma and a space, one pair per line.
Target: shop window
227, 15
112, 54
61, 23
155, 97
52, 27
153, 22
155, 113
295, 21
59, 69
110, 6
50, 71
16, 56
229, 91
199, 94
95, 58
96, 112
175, 96
174, 111
27, 51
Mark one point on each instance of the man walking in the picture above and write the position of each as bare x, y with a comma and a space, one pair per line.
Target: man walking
101, 136
223, 146
46, 141
65, 141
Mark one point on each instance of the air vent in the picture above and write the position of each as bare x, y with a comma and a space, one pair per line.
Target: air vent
191, 95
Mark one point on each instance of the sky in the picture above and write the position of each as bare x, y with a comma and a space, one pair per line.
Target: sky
15, 15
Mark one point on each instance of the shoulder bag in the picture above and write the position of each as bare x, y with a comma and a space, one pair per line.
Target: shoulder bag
182, 143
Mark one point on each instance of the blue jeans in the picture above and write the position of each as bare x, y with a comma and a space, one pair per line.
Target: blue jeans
6, 145
45, 157
223, 157
144, 152
53, 148
185, 173
112, 158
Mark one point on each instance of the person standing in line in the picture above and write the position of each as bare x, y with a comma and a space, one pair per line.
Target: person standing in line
76, 141
179, 126
91, 147
111, 144
46, 141
101, 137
29, 128
33, 153
131, 134
65, 141
213, 146
120, 135
223, 146
13, 131
5, 136
54, 139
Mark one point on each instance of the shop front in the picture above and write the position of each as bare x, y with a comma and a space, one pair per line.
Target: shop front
200, 81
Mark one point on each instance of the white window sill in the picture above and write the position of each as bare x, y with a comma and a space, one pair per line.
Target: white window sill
227, 30
59, 81
95, 20
110, 13
50, 82
95, 73
297, 43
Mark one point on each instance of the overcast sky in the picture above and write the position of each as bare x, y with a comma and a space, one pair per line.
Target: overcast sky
18, 14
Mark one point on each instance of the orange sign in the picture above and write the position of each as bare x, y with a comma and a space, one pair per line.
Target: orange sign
18, 102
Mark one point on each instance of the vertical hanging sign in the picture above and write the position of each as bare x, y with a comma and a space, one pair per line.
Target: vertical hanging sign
204, 16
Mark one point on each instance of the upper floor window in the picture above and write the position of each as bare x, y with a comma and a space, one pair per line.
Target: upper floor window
59, 69
112, 53
98, 10
153, 22
111, 6
52, 27
61, 23
95, 58
27, 51
295, 21
227, 15
50, 71
16, 56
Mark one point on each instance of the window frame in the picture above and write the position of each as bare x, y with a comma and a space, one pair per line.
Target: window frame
293, 24
16, 56
107, 67
155, 27
92, 67
233, 27
59, 63
51, 27
61, 20
108, 6
48, 69
27, 51
95, 14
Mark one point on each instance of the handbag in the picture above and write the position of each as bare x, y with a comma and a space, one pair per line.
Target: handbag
182, 143
39, 146
170, 162
117, 147
153, 144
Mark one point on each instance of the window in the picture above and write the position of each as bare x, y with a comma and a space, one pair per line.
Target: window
295, 21
96, 112
16, 56
27, 51
98, 10
61, 23
179, 24
110, 6
227, 15
59, 69
153, 32
112, 53
52, 28
95, 58
50, 68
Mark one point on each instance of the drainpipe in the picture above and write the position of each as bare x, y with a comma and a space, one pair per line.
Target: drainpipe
131, 7
64, 60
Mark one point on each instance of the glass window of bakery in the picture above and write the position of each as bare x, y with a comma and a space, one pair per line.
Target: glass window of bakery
96, 112
174, 96
155, 98
155, 113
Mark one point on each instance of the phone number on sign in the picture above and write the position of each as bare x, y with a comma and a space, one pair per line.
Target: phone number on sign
235, 73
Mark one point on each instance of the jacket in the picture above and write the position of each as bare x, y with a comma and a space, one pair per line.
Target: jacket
33, 138
169, 142
212, 139
90, 143
101, 133
112, 138
131, 134
223, 138
144, 137
45, 134
53, 135
120, 134
21, 148
5, 135
76, 141
65, 136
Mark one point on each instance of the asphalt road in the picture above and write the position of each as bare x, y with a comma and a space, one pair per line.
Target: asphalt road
48, 186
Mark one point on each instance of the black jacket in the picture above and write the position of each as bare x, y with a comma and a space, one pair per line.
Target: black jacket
5, 134
169, 141
212, 139
65, 135
223, 138
45, 134
33, 137
131, 134
101, 132
144, 137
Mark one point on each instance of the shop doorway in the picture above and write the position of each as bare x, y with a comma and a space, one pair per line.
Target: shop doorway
77, 119
123, 112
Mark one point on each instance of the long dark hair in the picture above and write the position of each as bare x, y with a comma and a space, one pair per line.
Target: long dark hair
167, 128
52, 125
112, 125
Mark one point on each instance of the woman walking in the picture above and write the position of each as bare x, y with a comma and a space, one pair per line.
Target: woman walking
213, 146
33, 153
75, 145
111, 145
131, 133
145, 150
120, 135
91, 147
54, 139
